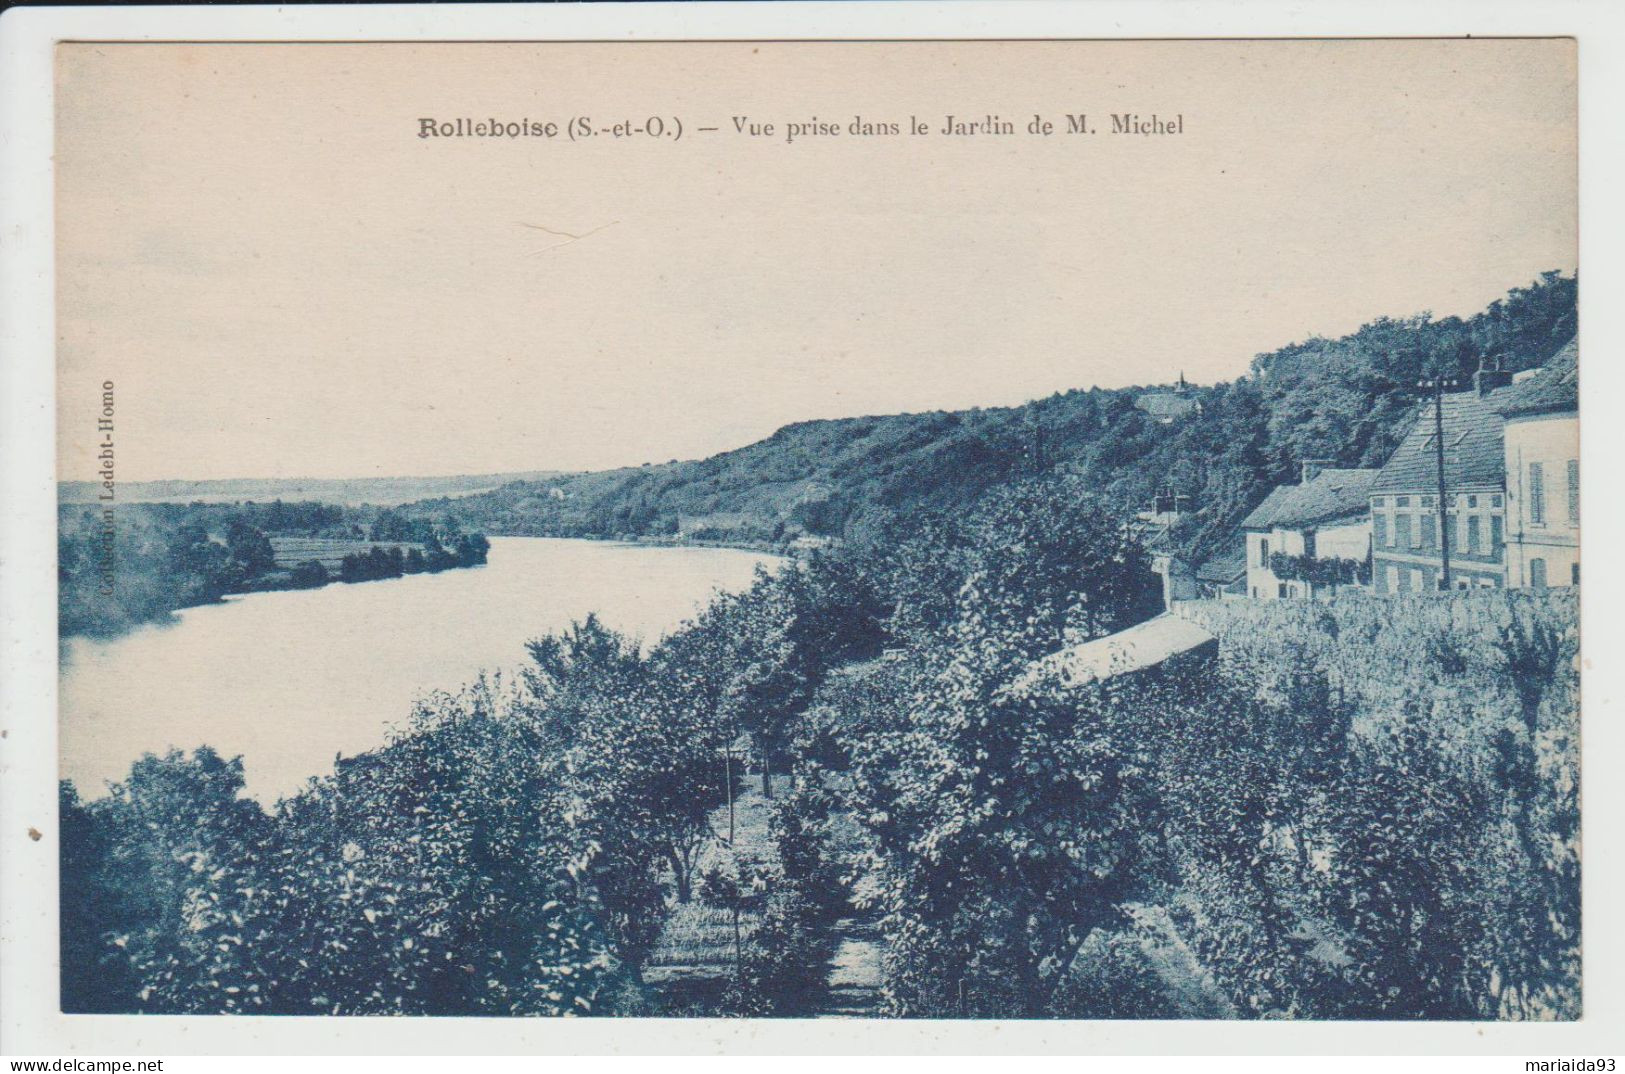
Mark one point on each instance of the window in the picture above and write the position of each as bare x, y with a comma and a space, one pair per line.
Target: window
1402, 524
1379, 530
1472, 501
1574, 492
1574, 574
1418, 524
1473, 548
1537, 493
1281, 591
1402, 501
1430, 533
1495, 501
1495, 536
1263, 551
1404, 581
1537, 573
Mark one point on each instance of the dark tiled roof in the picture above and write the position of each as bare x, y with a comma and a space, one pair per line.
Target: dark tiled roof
1225, 567
1261, 515
1473, 453
1555, 388
1331, 494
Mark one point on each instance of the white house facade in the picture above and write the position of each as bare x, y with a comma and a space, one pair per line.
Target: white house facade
1323, 517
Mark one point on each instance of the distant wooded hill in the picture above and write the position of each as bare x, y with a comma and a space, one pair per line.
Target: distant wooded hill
349, 491
1347, 400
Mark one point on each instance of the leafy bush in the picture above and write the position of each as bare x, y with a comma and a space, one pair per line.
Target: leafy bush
1320, 572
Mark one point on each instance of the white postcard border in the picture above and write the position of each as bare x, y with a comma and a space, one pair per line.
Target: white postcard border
29, 1021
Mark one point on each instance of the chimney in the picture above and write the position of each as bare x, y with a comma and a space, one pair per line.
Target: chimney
1312, 469
1490, 376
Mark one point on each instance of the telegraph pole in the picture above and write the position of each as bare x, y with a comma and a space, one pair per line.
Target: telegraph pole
1438, 385
1037, 417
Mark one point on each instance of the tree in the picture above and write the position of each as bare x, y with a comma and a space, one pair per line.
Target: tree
633, 744
1017, 822
202, 566
389, 526
180, 838
472, 549
95, 978
250, 550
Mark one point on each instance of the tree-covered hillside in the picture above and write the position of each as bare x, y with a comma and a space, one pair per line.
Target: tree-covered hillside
1346, 400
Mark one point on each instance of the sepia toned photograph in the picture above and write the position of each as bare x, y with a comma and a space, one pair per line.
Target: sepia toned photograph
889, 530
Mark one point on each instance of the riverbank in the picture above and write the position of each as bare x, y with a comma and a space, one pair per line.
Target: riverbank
288, 679
796, 546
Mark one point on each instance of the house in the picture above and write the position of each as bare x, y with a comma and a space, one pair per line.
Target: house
1224, 576
1168, 407
1322, 519
1154, 530
1541, 435
1405, 533
715, 522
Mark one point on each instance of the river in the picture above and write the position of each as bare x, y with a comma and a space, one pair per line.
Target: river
291, 679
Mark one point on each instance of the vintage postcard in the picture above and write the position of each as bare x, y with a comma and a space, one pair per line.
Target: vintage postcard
880, 530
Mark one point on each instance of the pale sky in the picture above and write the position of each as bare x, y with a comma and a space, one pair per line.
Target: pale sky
283, 280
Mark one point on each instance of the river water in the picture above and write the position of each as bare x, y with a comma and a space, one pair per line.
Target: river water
291, 679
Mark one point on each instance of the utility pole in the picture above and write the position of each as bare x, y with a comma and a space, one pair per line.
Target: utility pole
1036, 416
728, 778
1438, 385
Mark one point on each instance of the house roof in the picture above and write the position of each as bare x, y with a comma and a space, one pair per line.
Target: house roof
1330, 494
1226, 566
1473, 453
1554, 389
